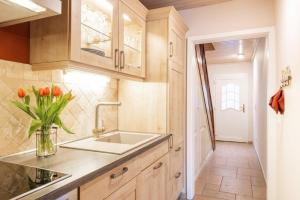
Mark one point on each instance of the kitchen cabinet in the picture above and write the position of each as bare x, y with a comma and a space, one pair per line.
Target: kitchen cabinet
167, 65
107, 36
153, 181
131, 180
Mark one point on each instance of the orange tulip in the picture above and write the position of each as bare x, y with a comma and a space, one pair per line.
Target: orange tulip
46, 91
56, 91
41, 92
21, 93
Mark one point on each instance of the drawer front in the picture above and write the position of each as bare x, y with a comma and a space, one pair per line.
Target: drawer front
149, 157
176, 159
102, 186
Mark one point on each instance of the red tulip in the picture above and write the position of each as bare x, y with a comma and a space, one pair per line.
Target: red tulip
46, 91
41, 92
56, 91
21, 93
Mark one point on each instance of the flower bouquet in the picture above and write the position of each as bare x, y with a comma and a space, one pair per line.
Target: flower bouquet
45, 114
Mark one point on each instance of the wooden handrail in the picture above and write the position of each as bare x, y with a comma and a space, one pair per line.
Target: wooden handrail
203, 74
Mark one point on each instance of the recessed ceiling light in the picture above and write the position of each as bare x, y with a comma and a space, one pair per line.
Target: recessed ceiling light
29, 5
241, 56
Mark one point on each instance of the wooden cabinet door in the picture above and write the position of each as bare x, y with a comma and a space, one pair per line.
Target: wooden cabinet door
94, 33
132, 34
152, 182
177, 49
127, 192
176, 104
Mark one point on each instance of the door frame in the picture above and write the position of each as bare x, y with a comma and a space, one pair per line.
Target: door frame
238, 76
269, 34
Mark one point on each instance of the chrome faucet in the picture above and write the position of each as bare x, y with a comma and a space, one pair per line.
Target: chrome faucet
99, 131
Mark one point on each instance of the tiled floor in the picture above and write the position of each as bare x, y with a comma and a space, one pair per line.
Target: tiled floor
232, 173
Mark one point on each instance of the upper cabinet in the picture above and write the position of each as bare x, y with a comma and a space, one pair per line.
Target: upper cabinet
14, 12
105, 35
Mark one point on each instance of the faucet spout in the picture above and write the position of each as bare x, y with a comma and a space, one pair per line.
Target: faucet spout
98, 131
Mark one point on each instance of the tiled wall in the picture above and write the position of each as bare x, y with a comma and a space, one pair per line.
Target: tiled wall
78, 116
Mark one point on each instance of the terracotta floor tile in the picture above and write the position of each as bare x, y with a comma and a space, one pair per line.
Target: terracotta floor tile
214, 179
258, 181
220, 195
259, 192
237, 189
199, 197
212, 187
223, 171
249, 172
241, 197
233, 172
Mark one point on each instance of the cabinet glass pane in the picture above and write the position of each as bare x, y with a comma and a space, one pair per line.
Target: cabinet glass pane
133, 36
96, 27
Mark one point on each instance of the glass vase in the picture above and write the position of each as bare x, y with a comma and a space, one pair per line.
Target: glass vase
46, 139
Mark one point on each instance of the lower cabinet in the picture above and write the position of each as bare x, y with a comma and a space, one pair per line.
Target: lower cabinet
157, 174
176, 175
153, 181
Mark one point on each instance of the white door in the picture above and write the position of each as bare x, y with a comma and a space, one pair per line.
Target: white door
231, 107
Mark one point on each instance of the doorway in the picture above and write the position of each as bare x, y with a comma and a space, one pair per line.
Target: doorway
192, 168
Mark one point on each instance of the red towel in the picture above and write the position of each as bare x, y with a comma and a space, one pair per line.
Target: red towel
277, 102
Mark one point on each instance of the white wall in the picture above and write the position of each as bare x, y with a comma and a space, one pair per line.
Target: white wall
230, 16
234, 68
260, 102
288, 54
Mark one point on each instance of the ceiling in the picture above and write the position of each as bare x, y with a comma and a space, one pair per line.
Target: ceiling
179, 4
228, 51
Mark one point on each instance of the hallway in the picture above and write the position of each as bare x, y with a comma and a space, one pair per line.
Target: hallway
232, 173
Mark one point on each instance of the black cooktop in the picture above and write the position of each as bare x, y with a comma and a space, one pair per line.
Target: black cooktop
17, 181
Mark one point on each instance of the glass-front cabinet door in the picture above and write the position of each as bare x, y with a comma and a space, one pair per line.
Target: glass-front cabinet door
95, 33
132, 31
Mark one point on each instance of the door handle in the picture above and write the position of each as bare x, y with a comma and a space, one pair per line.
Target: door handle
120, 173
158, 166
122, 60
116, 58
243, 109
171, 49
178, 149
177, 175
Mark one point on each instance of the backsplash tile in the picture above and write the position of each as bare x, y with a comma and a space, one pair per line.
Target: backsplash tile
78, 116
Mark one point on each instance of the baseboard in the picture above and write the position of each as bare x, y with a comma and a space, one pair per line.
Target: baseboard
203, 164
262, 169
225, 139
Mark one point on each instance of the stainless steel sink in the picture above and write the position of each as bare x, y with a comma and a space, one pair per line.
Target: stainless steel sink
115, 142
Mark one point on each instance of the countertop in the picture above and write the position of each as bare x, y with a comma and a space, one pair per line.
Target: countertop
83, 166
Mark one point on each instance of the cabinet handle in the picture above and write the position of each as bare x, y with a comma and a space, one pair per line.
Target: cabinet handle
171, 141
158, 166
120, 173
171, 49
178, 149
116, 58
177, 175
122, 60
